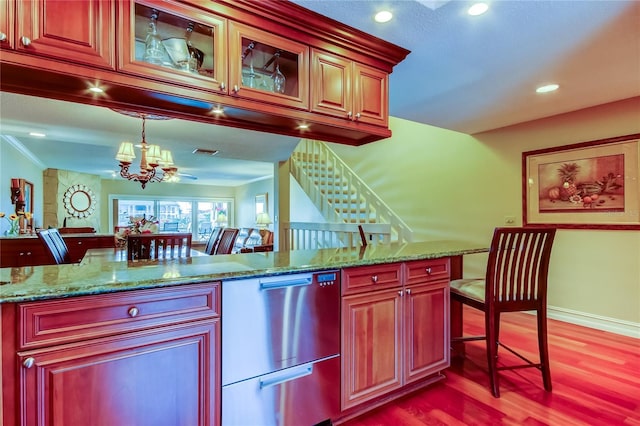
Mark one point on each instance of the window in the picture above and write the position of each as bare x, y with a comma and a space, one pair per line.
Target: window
198, 217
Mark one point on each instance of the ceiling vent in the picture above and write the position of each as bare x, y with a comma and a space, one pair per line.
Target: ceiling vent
202, 151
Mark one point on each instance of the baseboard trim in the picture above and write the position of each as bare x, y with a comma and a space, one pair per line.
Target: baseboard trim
613, 325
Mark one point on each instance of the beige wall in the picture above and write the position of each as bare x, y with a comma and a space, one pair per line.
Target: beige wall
450, 185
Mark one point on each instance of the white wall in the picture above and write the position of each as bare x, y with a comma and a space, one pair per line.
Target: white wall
450, 185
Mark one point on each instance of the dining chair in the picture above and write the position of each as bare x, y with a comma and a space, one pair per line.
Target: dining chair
515, 280
227, 240
158, 246
214, 237
55, 245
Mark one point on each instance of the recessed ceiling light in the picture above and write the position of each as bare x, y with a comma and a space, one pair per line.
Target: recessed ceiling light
478, 9
217, 110
303, 126
37, 134
96, 90
383, 16
547, 88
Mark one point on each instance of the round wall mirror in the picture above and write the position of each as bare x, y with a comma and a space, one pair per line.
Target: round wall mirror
79, 201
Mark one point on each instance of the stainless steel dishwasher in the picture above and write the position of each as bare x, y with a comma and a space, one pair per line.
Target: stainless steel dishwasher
281, 349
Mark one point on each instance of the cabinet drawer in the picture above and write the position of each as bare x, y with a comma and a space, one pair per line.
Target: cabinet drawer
86, 317
421, 271
371, 278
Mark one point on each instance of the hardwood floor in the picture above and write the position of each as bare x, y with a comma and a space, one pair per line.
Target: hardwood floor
595, 376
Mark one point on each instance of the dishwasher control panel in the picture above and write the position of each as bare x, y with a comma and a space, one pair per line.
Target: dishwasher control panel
326, 278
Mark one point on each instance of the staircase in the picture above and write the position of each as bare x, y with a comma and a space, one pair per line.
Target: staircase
342, 197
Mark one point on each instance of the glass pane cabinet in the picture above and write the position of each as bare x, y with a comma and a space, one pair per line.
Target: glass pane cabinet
267, 67
166, 42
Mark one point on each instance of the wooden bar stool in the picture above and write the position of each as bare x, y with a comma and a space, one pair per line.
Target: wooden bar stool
516, 280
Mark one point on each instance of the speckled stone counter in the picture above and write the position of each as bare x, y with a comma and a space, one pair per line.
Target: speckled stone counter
94, 275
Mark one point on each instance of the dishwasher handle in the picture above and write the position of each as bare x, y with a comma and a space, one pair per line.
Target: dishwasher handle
270, 285
286, 375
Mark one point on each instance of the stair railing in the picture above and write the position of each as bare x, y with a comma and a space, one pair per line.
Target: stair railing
323, 169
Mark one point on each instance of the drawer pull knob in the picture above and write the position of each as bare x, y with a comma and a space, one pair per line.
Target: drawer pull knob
3, 37
133, 312
28, 362
374, 278
26, 41
408, 291
400, 293
428, 271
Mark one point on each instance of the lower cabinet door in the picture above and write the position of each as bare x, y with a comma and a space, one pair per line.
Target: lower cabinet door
164, 376
371, 346
426, 327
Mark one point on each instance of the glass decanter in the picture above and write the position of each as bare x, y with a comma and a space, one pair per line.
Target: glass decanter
153, 48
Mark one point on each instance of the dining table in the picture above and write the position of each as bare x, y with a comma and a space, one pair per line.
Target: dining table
119, 254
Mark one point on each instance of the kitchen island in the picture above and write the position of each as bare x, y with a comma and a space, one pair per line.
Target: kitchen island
131, 340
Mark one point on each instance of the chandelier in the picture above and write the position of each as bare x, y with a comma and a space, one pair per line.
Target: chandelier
151, 158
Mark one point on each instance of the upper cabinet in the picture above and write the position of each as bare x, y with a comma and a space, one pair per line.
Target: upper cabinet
268, 68
173, 42
73, 31
7, 9
277, 68
348, 89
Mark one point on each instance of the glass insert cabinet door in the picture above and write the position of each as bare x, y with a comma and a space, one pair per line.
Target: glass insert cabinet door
267, 67
167, 42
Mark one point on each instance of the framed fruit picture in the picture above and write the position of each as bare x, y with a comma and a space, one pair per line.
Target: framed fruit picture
585, 185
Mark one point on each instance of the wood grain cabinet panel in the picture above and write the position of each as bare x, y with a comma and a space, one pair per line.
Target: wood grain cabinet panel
349, 90
426, 330
74, 31
371, 346
371, 278
144, 357
7, 20
166, 375
80, 318
395, 328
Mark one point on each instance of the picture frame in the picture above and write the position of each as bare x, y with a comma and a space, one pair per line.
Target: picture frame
587, 185
261, 204
27, 192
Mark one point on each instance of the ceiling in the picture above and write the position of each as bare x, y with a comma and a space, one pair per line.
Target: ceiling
468, 74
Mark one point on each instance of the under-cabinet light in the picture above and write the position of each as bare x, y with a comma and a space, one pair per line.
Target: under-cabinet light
478, 9
383, 16
547, 88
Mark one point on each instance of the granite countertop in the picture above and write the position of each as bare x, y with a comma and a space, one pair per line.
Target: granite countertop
94, 275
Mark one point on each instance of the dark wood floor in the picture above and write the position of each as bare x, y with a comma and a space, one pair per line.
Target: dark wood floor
595, 375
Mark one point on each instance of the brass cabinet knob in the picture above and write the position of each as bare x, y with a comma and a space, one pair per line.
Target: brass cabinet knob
133, 312
408, 291
26, 41
223, 86
428, 271
236, 89
3, 37
358, 115
374, 278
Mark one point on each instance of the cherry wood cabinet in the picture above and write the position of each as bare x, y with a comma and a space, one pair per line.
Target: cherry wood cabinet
7, 19
394, 327
76, 45
140, 357
29, 251
371, 346
253, 57
348, 89
73, 31
176, 23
